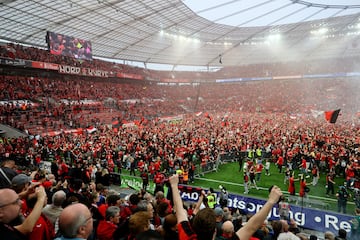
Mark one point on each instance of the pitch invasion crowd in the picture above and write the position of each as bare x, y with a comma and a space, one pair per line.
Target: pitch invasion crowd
163, 147
239, 118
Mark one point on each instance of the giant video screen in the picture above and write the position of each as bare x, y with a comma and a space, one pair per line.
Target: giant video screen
60, 44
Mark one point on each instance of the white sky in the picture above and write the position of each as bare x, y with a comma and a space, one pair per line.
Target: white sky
249, 13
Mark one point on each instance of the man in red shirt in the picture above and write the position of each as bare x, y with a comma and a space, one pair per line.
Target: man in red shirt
157, 164
350, 175
111, 200
280, 163
107, 227
159, 179
141, 165
303, 166
43, 228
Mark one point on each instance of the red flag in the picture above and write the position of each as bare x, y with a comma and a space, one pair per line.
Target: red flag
331, 116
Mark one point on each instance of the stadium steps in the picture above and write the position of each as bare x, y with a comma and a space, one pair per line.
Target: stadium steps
8, 131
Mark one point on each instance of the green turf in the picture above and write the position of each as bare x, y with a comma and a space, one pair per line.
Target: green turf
228, 174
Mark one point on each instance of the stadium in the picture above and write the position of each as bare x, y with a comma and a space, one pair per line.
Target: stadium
115, 96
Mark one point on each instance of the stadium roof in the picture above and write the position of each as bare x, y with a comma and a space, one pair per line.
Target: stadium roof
169, 32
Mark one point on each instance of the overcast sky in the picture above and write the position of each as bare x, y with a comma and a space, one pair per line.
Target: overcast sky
245, 13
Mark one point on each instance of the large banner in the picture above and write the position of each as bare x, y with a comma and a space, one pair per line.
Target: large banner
45, 65
305, 217
133, 182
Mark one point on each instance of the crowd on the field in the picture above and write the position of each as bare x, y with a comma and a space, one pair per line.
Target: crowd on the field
270, 118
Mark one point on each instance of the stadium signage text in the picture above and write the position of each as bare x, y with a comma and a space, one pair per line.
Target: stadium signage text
305, 217
69, 69
83, 71
14, 62
94, 72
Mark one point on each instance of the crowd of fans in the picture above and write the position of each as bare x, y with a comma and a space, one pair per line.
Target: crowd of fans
43, 206
56, 101
273, 118
61, 103
164, 148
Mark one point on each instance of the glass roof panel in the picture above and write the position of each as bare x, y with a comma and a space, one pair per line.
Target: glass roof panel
170, 32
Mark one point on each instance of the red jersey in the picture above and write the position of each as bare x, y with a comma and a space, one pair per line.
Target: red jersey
159, 178
43, 229
105, 230
302, 188
141, 166
291, 188
259, 168
303, 163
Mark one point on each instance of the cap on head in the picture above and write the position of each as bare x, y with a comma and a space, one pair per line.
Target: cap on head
219, 211
20, 179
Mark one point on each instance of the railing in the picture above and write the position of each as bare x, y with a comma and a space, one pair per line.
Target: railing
207, 167
308, 202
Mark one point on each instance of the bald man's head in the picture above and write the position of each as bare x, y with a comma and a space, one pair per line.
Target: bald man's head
75, 221
10, 205
227, 228
58, 198
5, 194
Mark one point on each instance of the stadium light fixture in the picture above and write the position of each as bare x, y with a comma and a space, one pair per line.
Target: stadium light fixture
274, 37
320, 31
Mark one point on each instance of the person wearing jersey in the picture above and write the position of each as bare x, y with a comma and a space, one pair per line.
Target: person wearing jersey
291, 188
